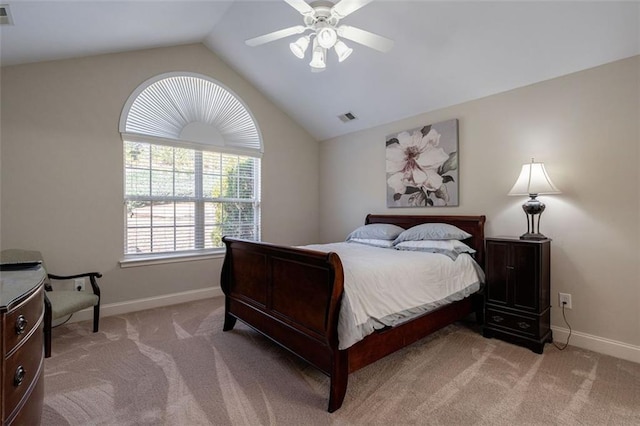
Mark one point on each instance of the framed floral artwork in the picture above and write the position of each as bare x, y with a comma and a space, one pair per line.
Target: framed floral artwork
422, 166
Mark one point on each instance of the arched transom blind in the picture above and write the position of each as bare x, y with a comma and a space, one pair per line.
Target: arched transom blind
193, 109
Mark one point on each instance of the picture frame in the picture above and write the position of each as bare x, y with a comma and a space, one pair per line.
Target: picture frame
422, 166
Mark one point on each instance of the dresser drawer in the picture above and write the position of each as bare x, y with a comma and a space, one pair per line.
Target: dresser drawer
22, 368
30, 413
21, 320
517, 323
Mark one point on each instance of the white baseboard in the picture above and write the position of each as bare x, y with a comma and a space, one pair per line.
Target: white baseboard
597, 344
147, 303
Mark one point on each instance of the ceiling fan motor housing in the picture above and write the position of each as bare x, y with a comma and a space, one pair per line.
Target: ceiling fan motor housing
321, 16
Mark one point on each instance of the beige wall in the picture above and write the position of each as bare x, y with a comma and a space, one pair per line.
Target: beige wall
62, 175
584, 127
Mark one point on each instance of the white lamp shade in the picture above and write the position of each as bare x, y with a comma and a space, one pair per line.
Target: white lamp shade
533, 179
342, 50
327, 37
300, 46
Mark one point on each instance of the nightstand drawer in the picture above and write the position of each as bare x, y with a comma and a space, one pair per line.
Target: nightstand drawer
517, 323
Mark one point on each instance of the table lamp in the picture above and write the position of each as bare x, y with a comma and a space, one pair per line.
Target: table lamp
533, 181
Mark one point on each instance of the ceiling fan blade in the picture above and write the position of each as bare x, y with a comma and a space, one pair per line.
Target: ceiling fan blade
276, 35
365, 38
346, 7
301, 6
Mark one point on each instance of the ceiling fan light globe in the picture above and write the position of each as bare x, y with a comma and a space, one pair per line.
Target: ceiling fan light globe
342, 50
299, 47
318, 59
327, 37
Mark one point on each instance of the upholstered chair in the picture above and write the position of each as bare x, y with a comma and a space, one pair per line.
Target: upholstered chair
59, 303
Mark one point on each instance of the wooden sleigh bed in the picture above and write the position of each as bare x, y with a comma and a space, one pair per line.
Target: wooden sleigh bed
293, 295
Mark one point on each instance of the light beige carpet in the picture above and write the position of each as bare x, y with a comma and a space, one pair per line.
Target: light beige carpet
175, 366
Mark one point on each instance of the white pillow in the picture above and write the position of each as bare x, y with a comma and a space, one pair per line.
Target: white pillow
451, 248
373, 242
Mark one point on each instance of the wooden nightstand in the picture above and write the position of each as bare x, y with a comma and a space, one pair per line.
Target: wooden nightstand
517, 304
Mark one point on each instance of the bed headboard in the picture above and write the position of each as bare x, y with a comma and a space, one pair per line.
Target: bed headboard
472, 224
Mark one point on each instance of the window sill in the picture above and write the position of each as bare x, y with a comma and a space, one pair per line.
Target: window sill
158, 259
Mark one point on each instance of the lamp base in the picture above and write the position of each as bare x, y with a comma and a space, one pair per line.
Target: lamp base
531, 236
533, 208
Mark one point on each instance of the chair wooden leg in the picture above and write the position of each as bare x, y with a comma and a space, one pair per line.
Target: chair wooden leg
96, 317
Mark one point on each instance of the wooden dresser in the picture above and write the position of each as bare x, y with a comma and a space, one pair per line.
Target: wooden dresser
22, 346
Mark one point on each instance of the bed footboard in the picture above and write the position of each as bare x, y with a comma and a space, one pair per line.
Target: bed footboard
292, 296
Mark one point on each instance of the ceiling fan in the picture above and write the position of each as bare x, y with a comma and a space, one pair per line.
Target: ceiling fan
321, 19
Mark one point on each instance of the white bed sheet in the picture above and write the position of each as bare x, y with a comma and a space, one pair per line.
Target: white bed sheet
385, 287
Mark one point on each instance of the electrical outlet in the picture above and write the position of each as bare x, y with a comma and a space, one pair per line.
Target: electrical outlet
565, 299
78, 284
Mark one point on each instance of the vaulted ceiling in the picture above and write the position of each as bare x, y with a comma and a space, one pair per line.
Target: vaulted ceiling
445, 52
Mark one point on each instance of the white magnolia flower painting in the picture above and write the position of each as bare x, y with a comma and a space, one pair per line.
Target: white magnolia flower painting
422, 166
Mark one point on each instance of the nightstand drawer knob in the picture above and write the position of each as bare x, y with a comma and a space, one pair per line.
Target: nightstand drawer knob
21, 324
497, 318
523, 325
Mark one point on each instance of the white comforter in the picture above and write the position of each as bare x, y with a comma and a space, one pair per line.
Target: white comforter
385, 287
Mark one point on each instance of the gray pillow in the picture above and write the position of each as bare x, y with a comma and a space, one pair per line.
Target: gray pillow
432, 231
376, 231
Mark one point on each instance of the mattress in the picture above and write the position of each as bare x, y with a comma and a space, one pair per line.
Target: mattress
386, 287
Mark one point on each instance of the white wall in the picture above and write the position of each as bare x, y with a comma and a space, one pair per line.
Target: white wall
584, 127
62, 173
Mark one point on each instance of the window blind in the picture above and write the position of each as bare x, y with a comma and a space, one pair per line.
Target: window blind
179, 199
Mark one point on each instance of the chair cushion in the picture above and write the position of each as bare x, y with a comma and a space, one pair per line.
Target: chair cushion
66, 302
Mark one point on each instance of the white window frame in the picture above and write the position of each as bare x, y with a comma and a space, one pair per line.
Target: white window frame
240, 137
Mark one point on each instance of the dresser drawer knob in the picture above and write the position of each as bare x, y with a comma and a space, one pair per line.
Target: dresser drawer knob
497, 318
21, 324
524, 325
18, 378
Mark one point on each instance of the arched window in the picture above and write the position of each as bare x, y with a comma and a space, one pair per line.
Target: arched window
191, 166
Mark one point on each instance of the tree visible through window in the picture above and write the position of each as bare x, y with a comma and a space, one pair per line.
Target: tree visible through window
191, 166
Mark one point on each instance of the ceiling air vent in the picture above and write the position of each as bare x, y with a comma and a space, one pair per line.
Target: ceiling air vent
345, 118
5, 15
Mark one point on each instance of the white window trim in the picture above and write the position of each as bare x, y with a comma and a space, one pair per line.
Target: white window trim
177, 257
132, 137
